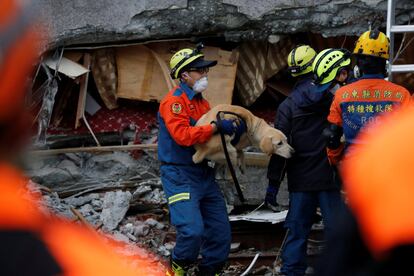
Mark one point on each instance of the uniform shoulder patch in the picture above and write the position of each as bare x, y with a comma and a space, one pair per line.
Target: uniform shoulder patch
176, 108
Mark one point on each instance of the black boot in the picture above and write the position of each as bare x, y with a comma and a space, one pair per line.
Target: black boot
210, 270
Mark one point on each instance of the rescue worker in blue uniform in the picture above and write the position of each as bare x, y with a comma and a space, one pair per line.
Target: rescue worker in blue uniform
302, 118
196, 204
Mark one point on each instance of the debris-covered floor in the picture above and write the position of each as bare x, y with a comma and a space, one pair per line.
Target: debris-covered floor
122, 197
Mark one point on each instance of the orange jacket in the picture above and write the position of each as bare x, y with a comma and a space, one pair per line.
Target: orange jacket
360, 103
178, 113
378, 180
180, 110
61, 248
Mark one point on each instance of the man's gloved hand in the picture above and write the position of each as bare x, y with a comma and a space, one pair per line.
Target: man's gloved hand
227, 126
271, 196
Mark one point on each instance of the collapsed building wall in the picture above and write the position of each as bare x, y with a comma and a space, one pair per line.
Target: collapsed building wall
90, 22
258, 27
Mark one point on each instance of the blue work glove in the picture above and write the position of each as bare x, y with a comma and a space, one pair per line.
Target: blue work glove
240, 129
271, 196
227, 126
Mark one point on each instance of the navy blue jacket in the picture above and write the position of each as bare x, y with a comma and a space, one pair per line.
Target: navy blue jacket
302, 117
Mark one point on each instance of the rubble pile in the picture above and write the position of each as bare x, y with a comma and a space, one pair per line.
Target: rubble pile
122, 198
115, 194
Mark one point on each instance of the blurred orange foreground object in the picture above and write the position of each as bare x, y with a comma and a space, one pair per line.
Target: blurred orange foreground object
77, 250
378, 178
19, 47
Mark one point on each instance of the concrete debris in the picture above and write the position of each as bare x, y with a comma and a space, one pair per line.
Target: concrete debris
157, 196
115, 206
79, 201
123, 197
166, 249
140, 191
50, 175
141, 230
52, 202
153, 223
120, 237
83, 170
75, 23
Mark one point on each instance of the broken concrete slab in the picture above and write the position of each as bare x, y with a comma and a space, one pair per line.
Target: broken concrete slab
118, 165
115, 206
81, 200
90, 22
51, 176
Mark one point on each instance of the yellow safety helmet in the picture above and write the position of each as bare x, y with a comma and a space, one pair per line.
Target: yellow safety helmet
328, 62
373, 43
300, 60
189, 57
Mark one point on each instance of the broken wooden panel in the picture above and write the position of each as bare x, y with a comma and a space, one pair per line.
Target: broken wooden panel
139, 75
258, 62
82, 92
74, 56
143, 71
221, 78
66, 66
104, 72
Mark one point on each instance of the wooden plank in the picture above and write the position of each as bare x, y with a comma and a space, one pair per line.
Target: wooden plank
257, 159
73, 55
142, 76
221, 77
82, 91
251, 158
139, 76
93, 149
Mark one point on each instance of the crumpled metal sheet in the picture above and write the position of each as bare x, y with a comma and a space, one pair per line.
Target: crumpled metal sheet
261, 216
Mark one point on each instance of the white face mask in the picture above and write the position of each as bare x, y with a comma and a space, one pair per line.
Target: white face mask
200, 85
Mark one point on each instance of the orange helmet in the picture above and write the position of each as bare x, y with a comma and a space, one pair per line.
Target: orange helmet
18, 49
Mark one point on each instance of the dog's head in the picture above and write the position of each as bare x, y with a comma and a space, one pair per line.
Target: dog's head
275, 142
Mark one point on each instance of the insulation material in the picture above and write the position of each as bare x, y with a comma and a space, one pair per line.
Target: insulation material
259, 61
143, 72
105, 75
66, 67
261, 216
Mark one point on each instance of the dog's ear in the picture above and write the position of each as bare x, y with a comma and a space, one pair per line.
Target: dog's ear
266, 145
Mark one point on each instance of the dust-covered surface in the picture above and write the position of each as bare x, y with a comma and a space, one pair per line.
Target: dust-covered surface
90, 22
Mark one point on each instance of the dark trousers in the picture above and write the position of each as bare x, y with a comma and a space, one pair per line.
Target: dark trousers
299, 220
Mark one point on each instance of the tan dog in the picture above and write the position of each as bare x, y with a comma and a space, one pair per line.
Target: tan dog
259, 133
